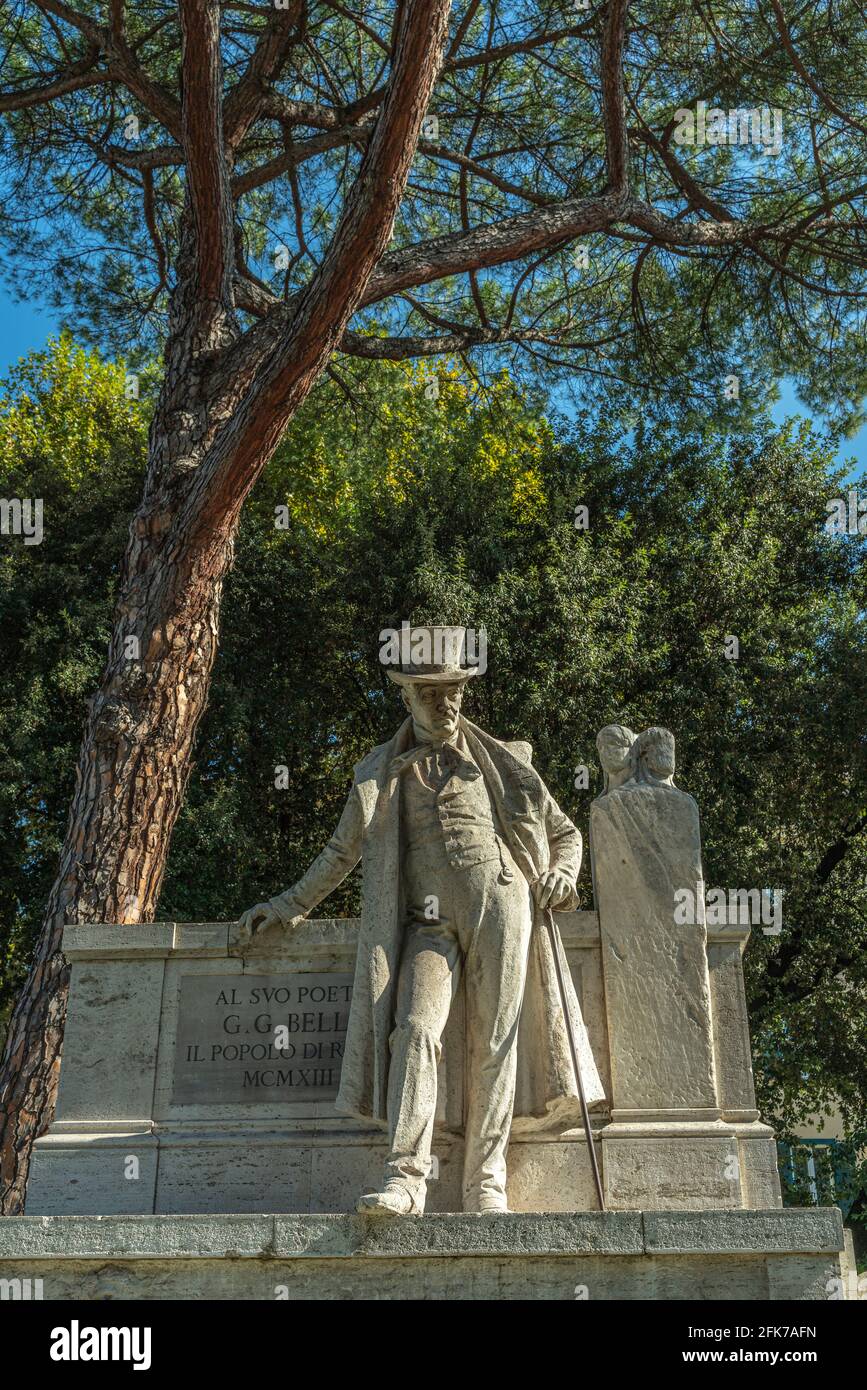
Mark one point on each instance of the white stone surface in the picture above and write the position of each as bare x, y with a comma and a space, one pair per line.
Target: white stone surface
707, 1255
684, 1129
111, 1039
645, 845
280, 1157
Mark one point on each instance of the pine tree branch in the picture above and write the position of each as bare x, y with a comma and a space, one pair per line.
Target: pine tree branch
207, 170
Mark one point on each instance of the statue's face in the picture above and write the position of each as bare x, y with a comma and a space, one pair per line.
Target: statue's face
614, 750
658, 754
435, 708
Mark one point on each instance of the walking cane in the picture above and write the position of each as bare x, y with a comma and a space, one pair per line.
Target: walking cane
573, 1047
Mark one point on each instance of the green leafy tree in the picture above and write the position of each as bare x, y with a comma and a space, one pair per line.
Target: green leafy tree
69, 437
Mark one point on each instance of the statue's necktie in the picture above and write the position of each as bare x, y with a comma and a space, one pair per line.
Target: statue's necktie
446, 754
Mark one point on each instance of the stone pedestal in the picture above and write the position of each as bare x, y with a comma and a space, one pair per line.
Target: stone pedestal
159, 1112
586, 1256
149, 1121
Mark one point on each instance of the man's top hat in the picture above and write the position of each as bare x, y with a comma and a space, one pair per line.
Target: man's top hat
432, 656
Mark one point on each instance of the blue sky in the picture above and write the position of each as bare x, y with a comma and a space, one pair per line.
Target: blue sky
26, 326
849, 450
22, 327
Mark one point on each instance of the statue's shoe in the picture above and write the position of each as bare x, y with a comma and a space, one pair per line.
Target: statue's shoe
393, 1201
489, 1204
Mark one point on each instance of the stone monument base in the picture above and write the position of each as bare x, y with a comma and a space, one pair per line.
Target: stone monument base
625, 1255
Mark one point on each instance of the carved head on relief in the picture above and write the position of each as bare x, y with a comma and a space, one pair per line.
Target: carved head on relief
654, 757
615, 744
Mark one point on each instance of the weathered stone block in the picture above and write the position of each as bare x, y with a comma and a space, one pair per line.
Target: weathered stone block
540, 1256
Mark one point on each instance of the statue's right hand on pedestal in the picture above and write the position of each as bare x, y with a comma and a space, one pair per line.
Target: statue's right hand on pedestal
266, 915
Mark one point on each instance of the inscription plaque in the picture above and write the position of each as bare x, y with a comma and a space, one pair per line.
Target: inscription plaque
260, 1039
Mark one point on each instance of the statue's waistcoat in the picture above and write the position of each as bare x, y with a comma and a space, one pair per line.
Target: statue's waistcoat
446, 812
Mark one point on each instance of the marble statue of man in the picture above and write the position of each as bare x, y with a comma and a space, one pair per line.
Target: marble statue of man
464, 851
